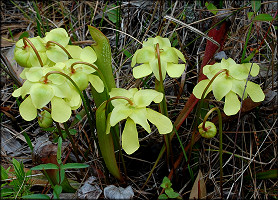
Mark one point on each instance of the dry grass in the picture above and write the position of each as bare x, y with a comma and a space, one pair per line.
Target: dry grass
250, 139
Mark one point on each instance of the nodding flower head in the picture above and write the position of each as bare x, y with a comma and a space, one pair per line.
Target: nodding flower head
135, 111
230, 84
147, 57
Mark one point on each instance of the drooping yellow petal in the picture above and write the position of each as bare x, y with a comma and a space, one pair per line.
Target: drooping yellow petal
232, 104
255, 68
60, 110
255, 92
17, 92
88, 55
221, 86
139, 117
96, 83
163, 123
175, 70
41, 94
200, 87
130, 142
179, 54
27, 110
74, 51
141, 71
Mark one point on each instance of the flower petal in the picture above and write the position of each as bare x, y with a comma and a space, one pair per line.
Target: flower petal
200, 87
168, 54
142, 71
25, 89
59, 35
34, 74
143, 98
232, 104
41, 94
155, 69
96, 83
255, 92
133, 61
145, 55
238, 72
227, 63
238, 88
27, 109
221, 86
60, 110
88, 55
130, 142
163, 123
163, 42
255, 68
17, 92
81, 79
119, 113
175, 70
56, 55
211, 70
139, 117
74, 100
179, 54
74, 51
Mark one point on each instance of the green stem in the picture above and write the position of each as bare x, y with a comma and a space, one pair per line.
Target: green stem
25, 41
163, 106
184, 153
220, 143
59, 45
59, 130
83, 100
72, 142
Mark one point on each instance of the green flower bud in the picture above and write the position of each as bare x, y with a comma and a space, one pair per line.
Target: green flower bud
210, 131
45, 119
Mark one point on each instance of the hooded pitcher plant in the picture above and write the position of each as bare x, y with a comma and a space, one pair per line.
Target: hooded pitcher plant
230, 83
132, 105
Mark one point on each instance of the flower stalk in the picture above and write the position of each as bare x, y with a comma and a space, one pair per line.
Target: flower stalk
59, 45
83, 100
220, 142
163, 106
25, 41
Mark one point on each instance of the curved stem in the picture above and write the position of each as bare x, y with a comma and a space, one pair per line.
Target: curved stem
83, 100
120, 97
220, 143
64, 49
25, 40
72, 142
